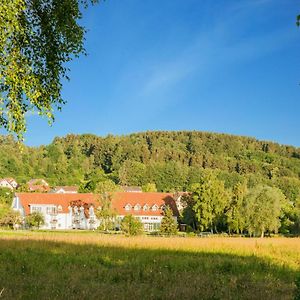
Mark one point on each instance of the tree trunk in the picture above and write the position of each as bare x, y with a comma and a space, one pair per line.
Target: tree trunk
262, 233
216, 231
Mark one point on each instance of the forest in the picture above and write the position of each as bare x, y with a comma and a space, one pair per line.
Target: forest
167, 162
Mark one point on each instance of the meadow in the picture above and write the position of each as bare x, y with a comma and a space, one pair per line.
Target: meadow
89, 265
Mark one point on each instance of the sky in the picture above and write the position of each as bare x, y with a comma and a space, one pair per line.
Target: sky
228, 66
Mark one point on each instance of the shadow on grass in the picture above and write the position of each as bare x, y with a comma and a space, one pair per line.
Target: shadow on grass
31, 269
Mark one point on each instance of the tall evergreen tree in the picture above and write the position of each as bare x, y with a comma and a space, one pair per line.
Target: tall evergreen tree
168, 224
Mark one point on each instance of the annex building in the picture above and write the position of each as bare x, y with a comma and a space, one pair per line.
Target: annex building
78, 211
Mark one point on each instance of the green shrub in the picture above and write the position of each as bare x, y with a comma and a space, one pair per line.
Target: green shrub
131, 225
35, 220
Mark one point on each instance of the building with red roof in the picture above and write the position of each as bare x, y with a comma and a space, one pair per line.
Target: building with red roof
38, 185
77, 211
65, 190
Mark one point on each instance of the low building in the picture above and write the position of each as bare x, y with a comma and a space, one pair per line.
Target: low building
77, 211
65, 190
131, 189
9, 183
148, 207
38, 185
61, 211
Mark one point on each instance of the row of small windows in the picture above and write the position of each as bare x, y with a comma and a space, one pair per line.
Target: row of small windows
145, 207
149, 218
49, 209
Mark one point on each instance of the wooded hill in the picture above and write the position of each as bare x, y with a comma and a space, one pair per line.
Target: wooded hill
171, 160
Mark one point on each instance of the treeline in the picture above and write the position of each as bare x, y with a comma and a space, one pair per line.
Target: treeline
210, 206
171, 160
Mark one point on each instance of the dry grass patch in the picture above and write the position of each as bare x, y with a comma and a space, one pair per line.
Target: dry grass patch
80, 265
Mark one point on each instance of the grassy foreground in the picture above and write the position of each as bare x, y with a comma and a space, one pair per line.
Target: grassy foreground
78, 265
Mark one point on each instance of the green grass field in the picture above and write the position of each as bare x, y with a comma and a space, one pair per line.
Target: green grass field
80, 265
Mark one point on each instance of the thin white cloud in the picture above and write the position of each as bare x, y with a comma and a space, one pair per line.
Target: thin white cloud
220, 47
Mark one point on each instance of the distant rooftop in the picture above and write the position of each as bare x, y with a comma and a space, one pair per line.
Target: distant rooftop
132, 189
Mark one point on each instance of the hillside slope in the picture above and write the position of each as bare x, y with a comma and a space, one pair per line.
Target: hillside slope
171, 160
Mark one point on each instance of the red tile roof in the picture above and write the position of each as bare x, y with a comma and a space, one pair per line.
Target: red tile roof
37, 181
119, 201
39, 185
39, 188
64, 200
9, 179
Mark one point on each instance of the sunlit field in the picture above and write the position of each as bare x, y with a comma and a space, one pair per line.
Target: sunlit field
88, 265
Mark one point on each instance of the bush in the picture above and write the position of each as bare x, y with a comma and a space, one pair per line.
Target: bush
35, 219
131, 225
11, 219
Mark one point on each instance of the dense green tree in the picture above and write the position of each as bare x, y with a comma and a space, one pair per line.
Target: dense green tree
210, 200
106, 214
168, 224
263, 208
4, 210
6, 196
92, 180
11, 219
235, 211
296, 217
23, 188
149, 187
132, 173
37, 39
170, 176
35, 220
131, 225
106, 186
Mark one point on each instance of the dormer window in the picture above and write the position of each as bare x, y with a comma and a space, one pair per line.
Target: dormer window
154, 207
35, 209
137, 207
146, 207
128, 207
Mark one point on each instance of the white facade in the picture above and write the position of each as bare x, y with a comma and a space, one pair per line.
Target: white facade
8, 183
63, 191
55, 218
70, 211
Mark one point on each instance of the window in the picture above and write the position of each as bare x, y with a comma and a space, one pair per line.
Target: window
137, 207
146, 207
127, 207
148, 227
154, 207
50, 210
36, 209
59, 208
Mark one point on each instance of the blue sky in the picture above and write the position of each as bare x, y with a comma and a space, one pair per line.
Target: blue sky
221, 66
